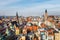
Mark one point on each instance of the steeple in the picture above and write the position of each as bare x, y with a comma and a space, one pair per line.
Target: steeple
17, 17
46, 11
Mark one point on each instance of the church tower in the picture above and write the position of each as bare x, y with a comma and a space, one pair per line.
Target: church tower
17, 17
46, 15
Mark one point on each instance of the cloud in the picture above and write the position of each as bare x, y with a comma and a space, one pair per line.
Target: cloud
32, 11
7, 2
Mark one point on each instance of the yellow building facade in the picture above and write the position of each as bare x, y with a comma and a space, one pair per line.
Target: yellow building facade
57, 36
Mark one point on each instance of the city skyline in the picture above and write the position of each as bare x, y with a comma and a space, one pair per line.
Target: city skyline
29, 7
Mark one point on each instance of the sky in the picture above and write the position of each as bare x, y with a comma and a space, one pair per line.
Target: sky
29, 7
